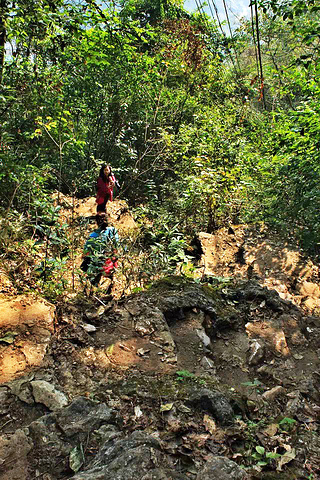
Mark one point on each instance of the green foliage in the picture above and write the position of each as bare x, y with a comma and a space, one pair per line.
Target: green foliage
183, 375
287, 424
290, 195
152, 253
262, 457
150, 89
287, 421
256, 384
284, 173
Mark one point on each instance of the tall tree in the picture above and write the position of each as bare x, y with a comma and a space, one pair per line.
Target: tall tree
3, 18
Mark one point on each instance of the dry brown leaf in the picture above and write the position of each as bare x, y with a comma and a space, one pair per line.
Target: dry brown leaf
271, 430
286, 458
210, 425
198, 439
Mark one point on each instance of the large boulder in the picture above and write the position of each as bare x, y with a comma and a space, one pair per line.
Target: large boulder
138, 457
55, 435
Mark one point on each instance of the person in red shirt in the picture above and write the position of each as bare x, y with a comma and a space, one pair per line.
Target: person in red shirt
105, 186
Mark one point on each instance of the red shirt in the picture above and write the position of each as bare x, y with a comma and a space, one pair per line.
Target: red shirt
105, 189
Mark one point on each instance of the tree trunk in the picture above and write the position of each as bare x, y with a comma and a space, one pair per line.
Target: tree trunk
3, 14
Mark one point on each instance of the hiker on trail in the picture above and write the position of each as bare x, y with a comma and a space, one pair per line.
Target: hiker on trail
100, 254
106, 183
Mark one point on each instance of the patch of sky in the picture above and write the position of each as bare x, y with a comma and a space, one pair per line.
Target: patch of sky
237, 9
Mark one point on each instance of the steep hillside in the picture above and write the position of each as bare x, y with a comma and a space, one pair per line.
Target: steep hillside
187, 379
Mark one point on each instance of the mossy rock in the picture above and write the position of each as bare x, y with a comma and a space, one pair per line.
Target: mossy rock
172, 282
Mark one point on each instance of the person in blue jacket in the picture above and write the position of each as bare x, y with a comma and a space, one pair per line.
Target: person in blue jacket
100, 251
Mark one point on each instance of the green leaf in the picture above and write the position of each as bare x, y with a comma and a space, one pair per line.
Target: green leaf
272, 455
9, 337
260, 449
76, 458
185, 374
109, 350
137, 290
287, 420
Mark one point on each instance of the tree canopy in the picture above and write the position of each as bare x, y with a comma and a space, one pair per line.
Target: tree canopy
201, 129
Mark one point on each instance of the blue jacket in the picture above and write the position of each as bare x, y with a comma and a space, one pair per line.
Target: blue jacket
100, 242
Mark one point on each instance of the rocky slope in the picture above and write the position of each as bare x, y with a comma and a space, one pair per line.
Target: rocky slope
170, 383
211, 379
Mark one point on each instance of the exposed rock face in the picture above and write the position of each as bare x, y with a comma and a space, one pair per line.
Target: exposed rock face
84, 416
55, 435
181, 294
221, 468
169, 299
312, 304
209, 251
137, 457
253, 291
275, 337
307, 289
250, 251
140, 388
5, 400
154, 311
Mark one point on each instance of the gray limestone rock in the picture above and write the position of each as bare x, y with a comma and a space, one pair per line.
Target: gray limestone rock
253, 291
207, 363
173, 298
14, 450
174, 294
5, 400
55, 435
137, 457
221, 468
213, 402
50, 448
44, 392
21, 388
257, 352
147, 318
83, 416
